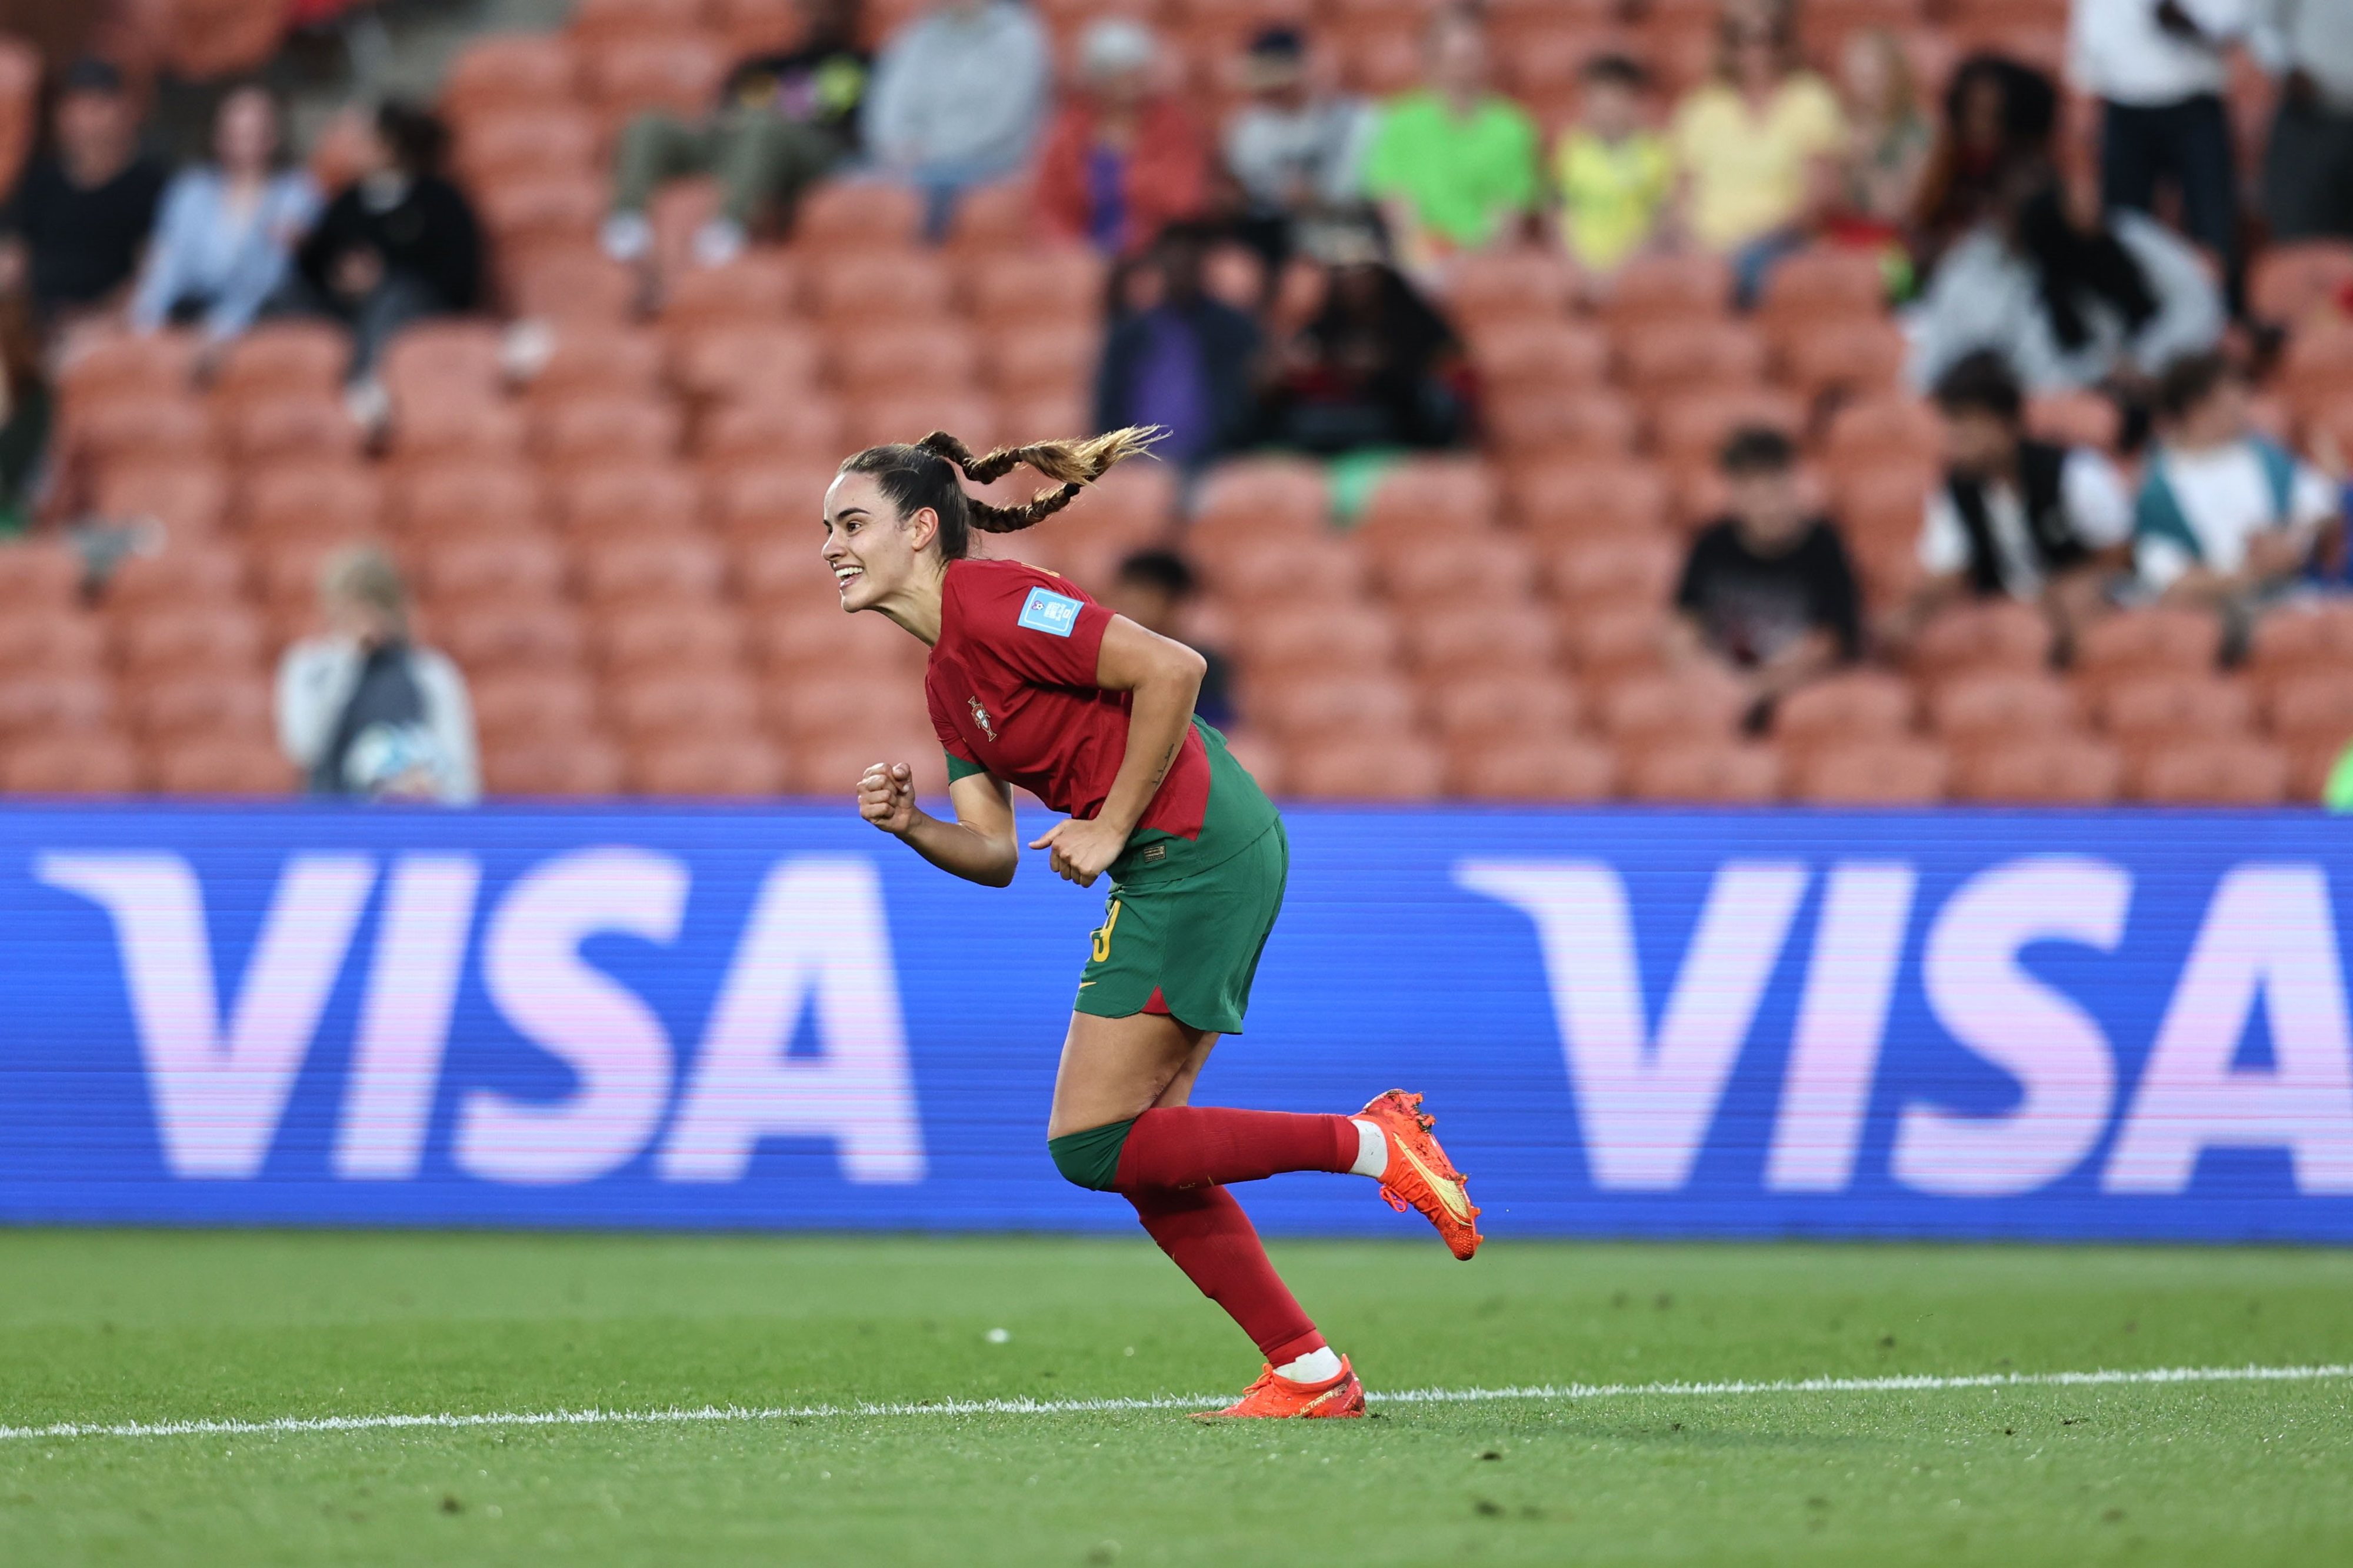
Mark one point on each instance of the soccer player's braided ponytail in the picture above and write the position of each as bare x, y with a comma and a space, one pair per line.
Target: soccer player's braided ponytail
1075, 464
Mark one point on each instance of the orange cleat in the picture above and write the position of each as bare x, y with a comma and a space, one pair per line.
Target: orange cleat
1275, 1397
1419, 1176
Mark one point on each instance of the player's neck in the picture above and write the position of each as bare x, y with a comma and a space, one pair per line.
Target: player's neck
916, 607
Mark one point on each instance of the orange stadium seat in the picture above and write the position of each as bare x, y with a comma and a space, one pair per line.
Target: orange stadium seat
498, 635
2238, 771
660, 636
2157, 639
1852, 705
225, 639
95, 764
1259, 496
440, 361
282, 357
569, 281
517, 566
1703, 771
883, 359
313, 499
541, 209
1318, 639
2312, 709
20, 92
2302, 637
708, 767
1872, 772
235, 766
185, 497
1288, 569
462, 428
510, 705
1043, 287
1458, 638
911, 416
1529, 357
1887, 427
505, 143
803, 433
50, 637
467, 497
853, 291
2052, 769
1510, 289
504, 71
623, 497
1984, 636
1693, 426
1381, 61
606, 427
2290, 281
2000, 705
780, 501
1472, 706
1555, 771
147, 426
35, 702
1665, 356
1820, 356
185, 571
1619, 569
1699, 701
1350, 767
753, 290
702, 702
757, 26
627, 74
858, 216
126, 366
554, 767
1669, 287
1044, 358
1425, 497
589, 359
1607, 643
830, 765
1493, 569
2139, 712
1595, 424
595, 21
996, 219
1822, 281
173, 706
1883, 500
2319, 363
274, 426
854, 700
1579, 500
1308, 707
675, 569
745, 360
38, 573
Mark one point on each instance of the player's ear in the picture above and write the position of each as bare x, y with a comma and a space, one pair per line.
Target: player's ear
922, 527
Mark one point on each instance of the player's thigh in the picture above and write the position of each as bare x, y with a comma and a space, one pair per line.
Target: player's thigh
1116, 1068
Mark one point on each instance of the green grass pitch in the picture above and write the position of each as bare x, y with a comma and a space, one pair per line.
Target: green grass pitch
134, 1327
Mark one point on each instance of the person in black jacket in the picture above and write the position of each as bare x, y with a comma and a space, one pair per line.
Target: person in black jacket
1183, 362
400, 243
2015, 516
71, 234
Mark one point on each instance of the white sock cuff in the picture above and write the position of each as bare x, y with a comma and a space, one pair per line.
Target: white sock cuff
1372, 1150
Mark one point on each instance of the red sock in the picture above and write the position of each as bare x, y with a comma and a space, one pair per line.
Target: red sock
1199, 1145
1205, 1232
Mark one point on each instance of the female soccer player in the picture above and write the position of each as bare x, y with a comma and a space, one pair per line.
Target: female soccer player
1032, 683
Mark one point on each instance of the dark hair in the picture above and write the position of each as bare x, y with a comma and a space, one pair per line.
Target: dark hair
925, 475
417, 140
1163, 569
1757, 449
2191, 380
1616, 70
1981, 382
2072, 267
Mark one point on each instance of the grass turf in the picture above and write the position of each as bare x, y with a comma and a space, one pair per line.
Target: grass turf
129, 1327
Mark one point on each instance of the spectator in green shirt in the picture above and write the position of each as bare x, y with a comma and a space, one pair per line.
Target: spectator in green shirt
1453, 165
2338, 794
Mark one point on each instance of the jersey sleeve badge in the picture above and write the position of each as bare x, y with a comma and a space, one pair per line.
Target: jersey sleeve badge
1056, 614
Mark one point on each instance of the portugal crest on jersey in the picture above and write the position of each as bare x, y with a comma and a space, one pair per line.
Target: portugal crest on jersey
980, 717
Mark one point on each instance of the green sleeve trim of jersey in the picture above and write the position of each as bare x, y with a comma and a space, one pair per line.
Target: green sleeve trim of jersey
1089, 1158
960, 769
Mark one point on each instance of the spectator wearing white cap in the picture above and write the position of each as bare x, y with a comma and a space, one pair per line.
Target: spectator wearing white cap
1124, 159
957, 98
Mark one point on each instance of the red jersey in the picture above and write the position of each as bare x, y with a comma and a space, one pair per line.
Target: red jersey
1011, 687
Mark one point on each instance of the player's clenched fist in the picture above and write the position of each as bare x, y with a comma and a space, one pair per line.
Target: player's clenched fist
886, 796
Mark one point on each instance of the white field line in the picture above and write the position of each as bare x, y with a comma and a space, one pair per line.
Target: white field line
1552, 1392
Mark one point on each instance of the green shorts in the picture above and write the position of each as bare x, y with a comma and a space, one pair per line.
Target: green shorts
1190, 946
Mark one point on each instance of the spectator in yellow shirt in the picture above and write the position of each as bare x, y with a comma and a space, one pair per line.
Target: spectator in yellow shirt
1756, 148
1615, 173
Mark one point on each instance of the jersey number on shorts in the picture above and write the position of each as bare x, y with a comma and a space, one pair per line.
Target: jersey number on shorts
1103, 933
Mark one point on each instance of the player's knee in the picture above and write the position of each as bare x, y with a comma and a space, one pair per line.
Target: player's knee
1089, 1158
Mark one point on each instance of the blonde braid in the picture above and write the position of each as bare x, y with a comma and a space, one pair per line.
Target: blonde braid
1076, 464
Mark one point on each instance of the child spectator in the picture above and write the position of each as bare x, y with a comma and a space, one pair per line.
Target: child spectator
1887, 138
1293, 150
1453, 165
1375, 366
1754, 147
363, 711
229, 228
957, 98
784, 121
80, 214
400, 243
2226, 517
1769, 590
2015, 516
1153, 589
1183, 361
1124, 159
1614, 173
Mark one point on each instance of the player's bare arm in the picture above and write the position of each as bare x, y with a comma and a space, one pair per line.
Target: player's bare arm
978, 845
1164, 679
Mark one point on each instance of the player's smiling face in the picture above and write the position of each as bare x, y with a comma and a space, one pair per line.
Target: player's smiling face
872, 552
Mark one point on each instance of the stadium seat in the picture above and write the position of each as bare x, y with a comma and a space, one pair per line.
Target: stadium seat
816, 641
995, 219
2312, 709
856, 291
50, 637
910, 415
2319, 363
276, 427
595, 22
1599, 423
1983, 636
532, 210
569, 282
2298, 637
467, 497
150, 427
708, 767
1817, 357
35, 573
1702, 770
20, 92
1306, 707
1284, 569
806, 434
463, 426
451, 359
186, 498
647, 569
124, 364
503, 636
627, 74
172, 705
1042, 286
852, 700
1043, 358
2157, 639
517, 566
1996, 704
1679, 287
1852, 705
1623, 639
1354, 767
1457, 637
2290, 281
525, 140
1523, 287
1883, 500
602, 499
2238, 771
230, 766
759, 289
830, 766
659, 637
522, 704
1430, 497
1259, 497
1664, 357
39, 702
1536, 769
744, 361
222, 637
885, 360
2142, 711
1693, 425
1490, 568
553, 767
771, 504
194, 571
1316, 639
605, 427
856, 216
1471, 705
1614, 569
2052, 769
596, 360
313, 500
1872, 772
1520, 357
273, 358
1883, 428
1822, 281
506, 72
93, 763
702, 703
1698, 701
1580, 499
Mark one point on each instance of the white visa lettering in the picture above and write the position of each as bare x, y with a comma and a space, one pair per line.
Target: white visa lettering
2269, 937
1842, 1019
1987, 1001
605, 1033
818, 936
218, 1092
1644, 1104
404, 1028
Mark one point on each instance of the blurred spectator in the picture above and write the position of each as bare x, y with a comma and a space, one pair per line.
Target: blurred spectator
1453, 165
1615, 173
80, 214
1295, 152
957, 98
2070, 299
1887, 138
363, 711
2000, 117
2157, 68
2308, 166
229, 228
2040, 523
25, 411
1124, 159
400, 243
783, 122
1376, 365
2336, 795
1182, 360
2225, 516
1153, 589
1769, 589
1755, 146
